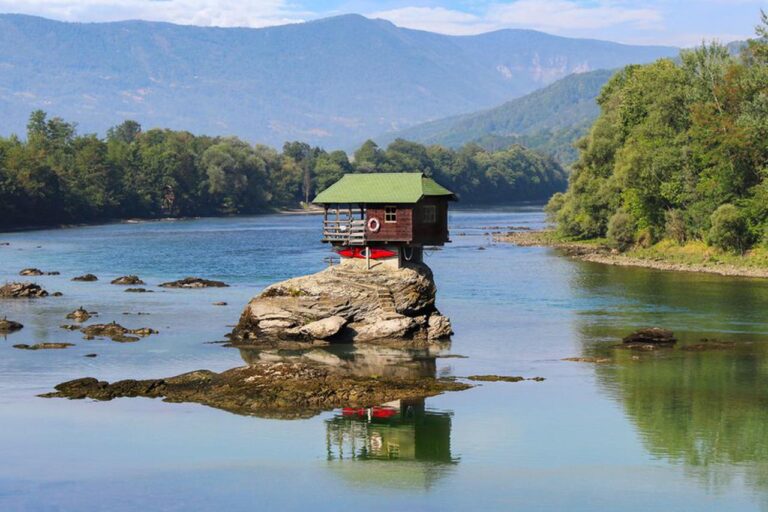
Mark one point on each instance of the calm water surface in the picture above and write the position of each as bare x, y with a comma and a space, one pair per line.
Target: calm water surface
670, 430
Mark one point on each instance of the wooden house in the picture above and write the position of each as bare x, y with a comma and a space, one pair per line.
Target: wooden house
385, 216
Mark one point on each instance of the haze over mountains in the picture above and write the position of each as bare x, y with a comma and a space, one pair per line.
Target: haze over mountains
332, 82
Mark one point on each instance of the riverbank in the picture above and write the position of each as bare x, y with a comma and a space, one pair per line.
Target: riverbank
666, 255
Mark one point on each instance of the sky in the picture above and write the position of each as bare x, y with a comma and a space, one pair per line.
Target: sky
673, 22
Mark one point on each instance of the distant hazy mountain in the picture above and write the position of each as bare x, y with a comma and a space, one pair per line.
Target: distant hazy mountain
548, 119
332, 82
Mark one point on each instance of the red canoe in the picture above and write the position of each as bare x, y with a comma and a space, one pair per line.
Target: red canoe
359, 252
379, 411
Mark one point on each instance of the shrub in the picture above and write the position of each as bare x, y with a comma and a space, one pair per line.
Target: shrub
555, 204
675, 226
729, 230
621, 231
645, 238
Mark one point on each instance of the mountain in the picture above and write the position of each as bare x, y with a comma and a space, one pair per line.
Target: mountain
548, 119
328, 82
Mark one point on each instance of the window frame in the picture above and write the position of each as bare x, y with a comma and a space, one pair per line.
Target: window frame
387, 214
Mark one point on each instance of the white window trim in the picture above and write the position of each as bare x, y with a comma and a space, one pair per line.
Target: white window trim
395, 214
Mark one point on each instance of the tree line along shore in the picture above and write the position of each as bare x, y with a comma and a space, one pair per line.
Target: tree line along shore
675, 168
56, 176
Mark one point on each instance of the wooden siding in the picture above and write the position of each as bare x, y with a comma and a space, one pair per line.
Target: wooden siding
400, 231
411, 225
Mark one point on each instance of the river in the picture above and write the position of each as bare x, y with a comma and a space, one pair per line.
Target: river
670, 429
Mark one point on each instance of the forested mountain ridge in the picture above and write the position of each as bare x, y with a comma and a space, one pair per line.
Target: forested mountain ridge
549, 119
330, 82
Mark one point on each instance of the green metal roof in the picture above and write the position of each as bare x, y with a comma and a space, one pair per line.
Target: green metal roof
393, 187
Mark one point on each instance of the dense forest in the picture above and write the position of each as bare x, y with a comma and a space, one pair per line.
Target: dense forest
56, 176
679, 151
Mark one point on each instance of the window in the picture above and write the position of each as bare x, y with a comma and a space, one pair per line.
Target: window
390, 214
429, 214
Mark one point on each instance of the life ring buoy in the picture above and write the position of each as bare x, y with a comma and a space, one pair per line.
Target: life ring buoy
374, 225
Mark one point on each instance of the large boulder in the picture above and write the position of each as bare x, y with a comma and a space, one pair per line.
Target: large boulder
345, 304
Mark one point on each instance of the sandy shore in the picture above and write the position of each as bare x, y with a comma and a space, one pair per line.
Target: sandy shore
602, 254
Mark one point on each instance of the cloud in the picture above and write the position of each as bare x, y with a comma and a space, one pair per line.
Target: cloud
436, 19
225, 13
557, 16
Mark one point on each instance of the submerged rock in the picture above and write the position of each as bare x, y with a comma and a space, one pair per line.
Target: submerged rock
220, 303
44, 346
22, 291
589, 359
360, 305
194, 282
86, 278
651, 336
128, 280
286, 390
503, 378
138, 290
31, 272
9, 326
115, 332
80, 314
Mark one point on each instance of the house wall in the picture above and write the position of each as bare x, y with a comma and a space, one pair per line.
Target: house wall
431, 233
400, 231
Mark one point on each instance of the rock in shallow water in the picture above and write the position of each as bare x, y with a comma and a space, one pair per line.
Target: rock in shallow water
80, 314
44, 346
8, 326
365, 305
22, 291
115, 332
194, 282
86, 278
285, 390
127, 280
651, 336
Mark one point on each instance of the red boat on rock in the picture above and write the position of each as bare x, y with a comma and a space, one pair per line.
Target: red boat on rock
361, 252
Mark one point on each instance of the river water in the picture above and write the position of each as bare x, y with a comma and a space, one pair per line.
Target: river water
669, 430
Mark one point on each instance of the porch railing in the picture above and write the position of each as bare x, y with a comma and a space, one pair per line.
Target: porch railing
344, 231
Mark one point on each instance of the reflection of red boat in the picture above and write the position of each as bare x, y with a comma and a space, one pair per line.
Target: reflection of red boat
360, 252
379, 411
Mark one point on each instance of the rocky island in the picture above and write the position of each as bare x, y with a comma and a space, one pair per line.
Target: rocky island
346, 303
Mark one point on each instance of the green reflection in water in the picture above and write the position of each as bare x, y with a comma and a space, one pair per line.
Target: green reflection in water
399, 444
706, 410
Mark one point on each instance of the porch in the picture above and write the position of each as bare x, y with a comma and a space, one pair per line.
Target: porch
345, 226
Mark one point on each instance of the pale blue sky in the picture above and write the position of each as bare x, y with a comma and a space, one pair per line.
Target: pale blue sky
678, 22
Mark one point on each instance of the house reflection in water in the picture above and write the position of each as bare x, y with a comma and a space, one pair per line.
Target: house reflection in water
399, 430
399, 444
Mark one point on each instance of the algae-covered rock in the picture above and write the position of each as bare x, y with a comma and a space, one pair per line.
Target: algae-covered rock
651, 336
115, 332
128, 280
366, 305
86, 278
80, 314
9, 326
194, 282
44, 346
286, 390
